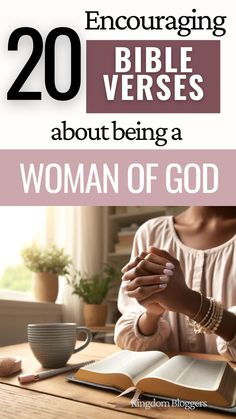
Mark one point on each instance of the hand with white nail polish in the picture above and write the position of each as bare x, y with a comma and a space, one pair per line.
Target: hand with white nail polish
132, 275
175, 295
157, 283
144, 287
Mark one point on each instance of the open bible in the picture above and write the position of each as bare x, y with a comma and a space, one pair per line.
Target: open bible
154, 373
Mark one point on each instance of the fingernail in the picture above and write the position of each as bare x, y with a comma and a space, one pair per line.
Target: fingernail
125, 283
168, 272
164, 279
170, 265
162, 285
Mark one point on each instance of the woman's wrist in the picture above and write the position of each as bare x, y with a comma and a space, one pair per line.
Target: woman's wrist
192, 303
196, 307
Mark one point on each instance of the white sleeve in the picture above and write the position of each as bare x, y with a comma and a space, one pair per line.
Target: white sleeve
128, 336
227, 349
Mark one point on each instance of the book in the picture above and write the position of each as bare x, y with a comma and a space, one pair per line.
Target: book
126, 238
129, 229
126, 233
154, 373
128, 241
122, 249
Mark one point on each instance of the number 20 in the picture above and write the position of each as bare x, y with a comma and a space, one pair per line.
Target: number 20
14, 92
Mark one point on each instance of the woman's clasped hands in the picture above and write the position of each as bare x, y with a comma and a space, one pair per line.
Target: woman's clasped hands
156, 281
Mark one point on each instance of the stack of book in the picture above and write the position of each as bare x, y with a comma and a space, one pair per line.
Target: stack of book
125, 239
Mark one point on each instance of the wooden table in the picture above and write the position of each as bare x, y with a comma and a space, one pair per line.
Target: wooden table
57, 398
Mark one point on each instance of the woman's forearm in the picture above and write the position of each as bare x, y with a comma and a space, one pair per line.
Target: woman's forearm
227, 327
148, 323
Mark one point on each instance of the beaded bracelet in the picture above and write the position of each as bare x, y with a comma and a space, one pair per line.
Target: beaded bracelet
212, 319
192, 322
216, 320
198, 327
212, 316
219, 320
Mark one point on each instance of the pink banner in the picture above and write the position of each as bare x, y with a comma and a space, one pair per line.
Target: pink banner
118, 177
153, 76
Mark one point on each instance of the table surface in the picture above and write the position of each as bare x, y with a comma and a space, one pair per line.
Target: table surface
109, 327
57, 398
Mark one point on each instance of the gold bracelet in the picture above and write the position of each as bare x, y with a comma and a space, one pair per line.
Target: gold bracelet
212, 319
219, 318
198, 327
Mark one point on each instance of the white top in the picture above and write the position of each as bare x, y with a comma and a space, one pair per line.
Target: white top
211, 271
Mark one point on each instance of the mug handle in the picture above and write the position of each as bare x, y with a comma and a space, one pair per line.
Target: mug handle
88, 338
